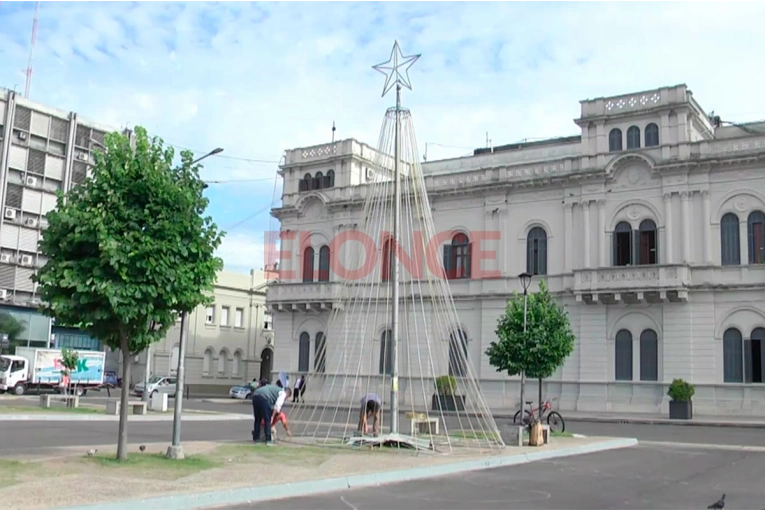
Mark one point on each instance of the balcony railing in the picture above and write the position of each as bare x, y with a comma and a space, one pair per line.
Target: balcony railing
633, 283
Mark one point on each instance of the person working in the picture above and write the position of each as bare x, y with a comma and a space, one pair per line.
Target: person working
371, 404
267, 402
297, 393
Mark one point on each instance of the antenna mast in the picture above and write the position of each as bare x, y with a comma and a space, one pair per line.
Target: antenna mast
28, 70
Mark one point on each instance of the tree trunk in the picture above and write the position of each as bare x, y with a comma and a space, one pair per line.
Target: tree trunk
122, 442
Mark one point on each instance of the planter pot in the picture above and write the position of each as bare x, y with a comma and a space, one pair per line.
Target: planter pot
448, 403
680, 410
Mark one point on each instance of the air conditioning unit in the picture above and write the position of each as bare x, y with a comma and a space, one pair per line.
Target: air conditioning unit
3, 295
370, 173
31, 222
31, 181
22, 135
5, 257
10, 214
27, 260
82, 156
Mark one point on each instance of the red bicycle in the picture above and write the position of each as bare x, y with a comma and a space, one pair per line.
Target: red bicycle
554, 419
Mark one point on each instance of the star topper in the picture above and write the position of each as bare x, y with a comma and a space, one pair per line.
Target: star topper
394, 75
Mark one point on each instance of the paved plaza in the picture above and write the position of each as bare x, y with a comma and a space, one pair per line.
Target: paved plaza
647, 476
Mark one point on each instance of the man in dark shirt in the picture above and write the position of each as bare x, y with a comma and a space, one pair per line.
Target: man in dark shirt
267, 402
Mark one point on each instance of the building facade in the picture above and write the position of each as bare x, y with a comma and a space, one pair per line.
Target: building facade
649, 227
229, 342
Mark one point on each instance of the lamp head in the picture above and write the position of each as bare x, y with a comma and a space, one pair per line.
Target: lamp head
525, 279
215, 151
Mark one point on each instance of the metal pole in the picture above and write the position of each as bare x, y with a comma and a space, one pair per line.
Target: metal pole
146, 376
394, 269
523, 372
175, 451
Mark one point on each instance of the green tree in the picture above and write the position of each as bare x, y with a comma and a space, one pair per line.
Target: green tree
11, 326
129, 248
544, 347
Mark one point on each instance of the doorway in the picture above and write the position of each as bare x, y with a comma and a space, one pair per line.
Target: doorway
266, 363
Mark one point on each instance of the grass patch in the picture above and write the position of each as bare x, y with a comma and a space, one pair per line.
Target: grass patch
155, 465
52, 409
294, 455
474, 434
562, 434
11, 471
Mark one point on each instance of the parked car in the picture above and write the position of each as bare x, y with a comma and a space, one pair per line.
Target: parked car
157, 384
240, 392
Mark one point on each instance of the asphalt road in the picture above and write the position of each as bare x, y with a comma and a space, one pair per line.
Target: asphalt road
655, 477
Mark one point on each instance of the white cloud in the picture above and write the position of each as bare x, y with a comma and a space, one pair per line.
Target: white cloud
257, 79
242, 252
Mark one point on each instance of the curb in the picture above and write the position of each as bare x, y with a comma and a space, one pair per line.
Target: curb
637, 420
661, 421
115, 419
260, 494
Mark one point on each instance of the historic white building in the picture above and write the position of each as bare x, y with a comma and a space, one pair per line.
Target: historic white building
649, 227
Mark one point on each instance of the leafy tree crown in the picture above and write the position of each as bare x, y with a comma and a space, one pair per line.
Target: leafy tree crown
129, 248
545, 345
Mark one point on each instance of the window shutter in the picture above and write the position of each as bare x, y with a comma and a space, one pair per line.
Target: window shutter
448, 263
656, 259
747, 361
469, 264
542, 262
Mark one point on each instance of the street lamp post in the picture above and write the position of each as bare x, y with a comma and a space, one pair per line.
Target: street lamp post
525, 279
175, 450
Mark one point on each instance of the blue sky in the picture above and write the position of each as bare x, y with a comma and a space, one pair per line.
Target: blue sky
257, 78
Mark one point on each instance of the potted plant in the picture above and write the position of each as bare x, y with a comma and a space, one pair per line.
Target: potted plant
445, 398
681, 406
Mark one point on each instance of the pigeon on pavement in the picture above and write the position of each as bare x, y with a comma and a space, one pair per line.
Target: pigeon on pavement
142, 448
718, 505
92, 452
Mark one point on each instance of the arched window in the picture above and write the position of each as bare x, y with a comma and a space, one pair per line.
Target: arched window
387, 262
730, 242
633, 137
223, 361
308, 265
207, 362
457, 257
305, 183
318, 181
615, 140
754, 357
623, 244
648, 237
756, 228
623, 351
304, 352
324, 264
458, 353
320, 354
386, 353
733, 356
536, 251
329, 179
651, 135
236, 367
649, 355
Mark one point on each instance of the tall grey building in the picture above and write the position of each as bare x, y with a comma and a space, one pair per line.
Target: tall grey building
42, 150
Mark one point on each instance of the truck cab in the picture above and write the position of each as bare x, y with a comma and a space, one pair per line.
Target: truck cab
14, 373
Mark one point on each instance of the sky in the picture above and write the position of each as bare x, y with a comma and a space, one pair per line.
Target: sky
259, 78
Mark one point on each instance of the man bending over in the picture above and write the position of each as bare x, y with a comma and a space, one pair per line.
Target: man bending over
371, 405
267, 402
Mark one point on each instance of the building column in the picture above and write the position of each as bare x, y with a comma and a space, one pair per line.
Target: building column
707, 227
685, 198
668, 239
587, 240
743, 237
602, 232
569, 236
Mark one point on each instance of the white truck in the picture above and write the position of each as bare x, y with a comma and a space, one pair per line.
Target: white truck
41, 369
